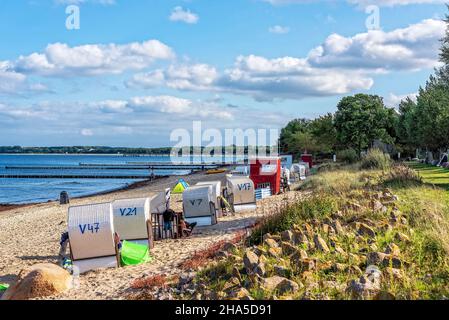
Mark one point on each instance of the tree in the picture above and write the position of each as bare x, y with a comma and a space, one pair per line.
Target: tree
361, 119
323, 130
288, 139
406, 127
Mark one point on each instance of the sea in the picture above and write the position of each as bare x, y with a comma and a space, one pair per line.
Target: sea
38, 190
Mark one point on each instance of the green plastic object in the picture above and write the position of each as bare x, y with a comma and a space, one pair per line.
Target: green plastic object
133, 254
3, 287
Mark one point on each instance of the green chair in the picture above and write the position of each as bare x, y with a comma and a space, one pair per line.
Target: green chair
3, 287
133, 254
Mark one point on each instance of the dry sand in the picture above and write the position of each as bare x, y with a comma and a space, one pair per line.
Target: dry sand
30, 235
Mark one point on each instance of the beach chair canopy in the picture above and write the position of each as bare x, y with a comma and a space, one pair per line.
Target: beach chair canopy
131, 217
241, 189
91, 231
216, 188
199, 201
161, 202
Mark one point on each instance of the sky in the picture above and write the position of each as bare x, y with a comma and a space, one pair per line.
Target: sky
130, 73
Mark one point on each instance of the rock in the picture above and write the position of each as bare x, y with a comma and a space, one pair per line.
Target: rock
393, 273
338, 228
320, 244
298, 237
365, 230
186, 278
236, 273
231, 284
250, 260
282, 271
41, 280
340, 251
366, 286
308, 229
339, 267
299, 255
260, 269
275, 252
401, 237
229, 247
393, 249
287, 248
383, 259
271, 243
280, 284
267, 236
240, 294
287, 236
305, 264
378, 206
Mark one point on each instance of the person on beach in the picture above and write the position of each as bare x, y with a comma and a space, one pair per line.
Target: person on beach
168, 217
186, 228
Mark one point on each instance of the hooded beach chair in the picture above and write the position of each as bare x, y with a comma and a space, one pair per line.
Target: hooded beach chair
92, 238
216, 188
132, 220
198, 204
240, 193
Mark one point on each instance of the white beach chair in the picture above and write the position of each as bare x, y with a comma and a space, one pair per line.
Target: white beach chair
216, 188
132, 220
92, 237
199, 205
240, 193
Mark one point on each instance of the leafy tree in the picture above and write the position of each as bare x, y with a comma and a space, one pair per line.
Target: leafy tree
323, 130
289, 135
361, 119
406, 127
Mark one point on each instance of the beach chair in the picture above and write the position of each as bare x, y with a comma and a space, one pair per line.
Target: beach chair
92, 238
132, 220
199, 205
216, 186
240, 193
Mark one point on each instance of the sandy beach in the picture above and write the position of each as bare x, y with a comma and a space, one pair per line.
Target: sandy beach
30, 235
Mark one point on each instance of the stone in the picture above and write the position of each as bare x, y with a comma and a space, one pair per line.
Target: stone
340, 251
281, 271
308, 229
339, 267
401, 237
250, 260
236, 273
393, 273
186, 278
366, 286
288, 248
320, 244
229, 247
231, 284
298, 237
241, 294
38, 281
280, 284
299, 254
260, 269
338, 228
383, 259
275, 252
271, 243
365, 230
287, 236
393, 249
378, 206
305, 264
267, 236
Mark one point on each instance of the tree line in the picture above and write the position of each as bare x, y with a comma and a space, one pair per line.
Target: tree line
361, 120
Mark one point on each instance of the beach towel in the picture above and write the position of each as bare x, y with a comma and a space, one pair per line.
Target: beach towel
133, 254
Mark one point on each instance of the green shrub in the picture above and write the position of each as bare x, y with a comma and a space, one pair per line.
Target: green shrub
375, 159
347, 156
319, 206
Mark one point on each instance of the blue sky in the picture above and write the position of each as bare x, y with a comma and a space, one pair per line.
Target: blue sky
136, 70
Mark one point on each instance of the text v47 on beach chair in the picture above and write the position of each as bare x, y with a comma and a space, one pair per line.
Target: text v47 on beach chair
92, 238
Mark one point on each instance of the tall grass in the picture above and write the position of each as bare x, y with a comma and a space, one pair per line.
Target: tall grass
375, 159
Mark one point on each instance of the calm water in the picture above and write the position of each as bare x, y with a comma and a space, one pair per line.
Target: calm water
19, 191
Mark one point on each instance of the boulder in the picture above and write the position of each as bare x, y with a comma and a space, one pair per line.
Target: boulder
271, 243
260, 269
367, 286
275, 252
299, 254
41, 280
280, 284
383, 259
320, 244
365, 230
287, 248
287, 236
250, 260
305, 264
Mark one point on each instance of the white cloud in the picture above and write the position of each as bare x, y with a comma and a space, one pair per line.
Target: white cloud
14, 83
393, 100
87, 132
279, 29
182, 15
59, 59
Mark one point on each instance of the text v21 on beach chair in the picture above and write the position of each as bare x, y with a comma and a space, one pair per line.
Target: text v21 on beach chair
134, 254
